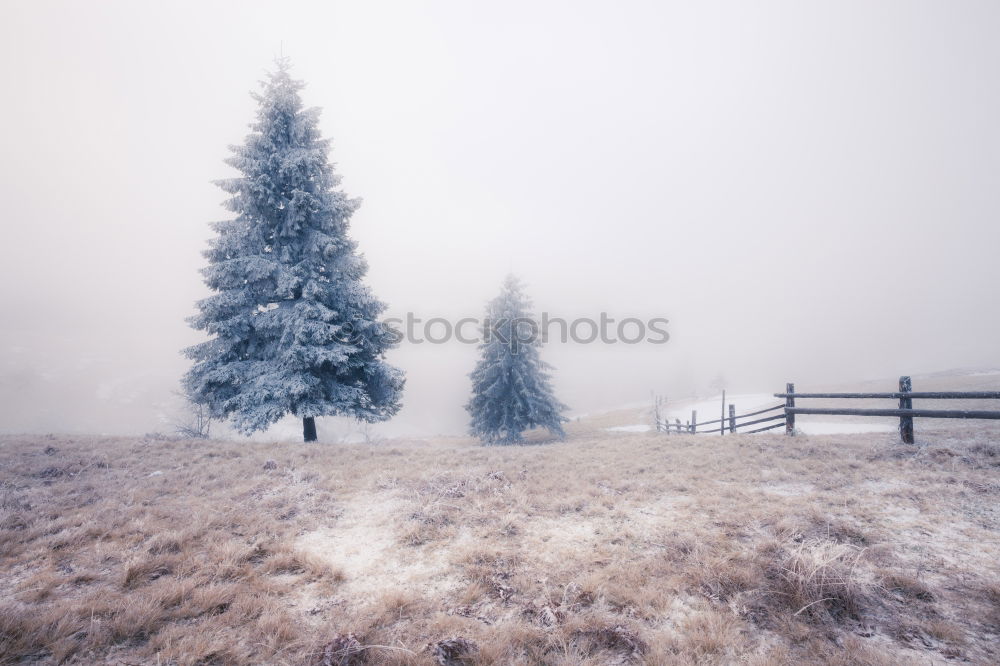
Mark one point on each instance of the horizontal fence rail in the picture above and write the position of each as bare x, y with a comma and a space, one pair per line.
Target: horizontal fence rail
764, 420
923, 413
926, 395
905, 411
770, 427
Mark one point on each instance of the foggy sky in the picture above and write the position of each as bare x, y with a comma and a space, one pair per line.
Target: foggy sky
808, 191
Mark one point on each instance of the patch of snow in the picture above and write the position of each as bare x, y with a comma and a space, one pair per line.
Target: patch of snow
709, 409
639, 427
840, 428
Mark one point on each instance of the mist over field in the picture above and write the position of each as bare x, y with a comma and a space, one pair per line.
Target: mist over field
472, 334
807, 191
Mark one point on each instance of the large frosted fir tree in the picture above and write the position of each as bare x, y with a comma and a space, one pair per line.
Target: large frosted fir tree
510, 385
294, 330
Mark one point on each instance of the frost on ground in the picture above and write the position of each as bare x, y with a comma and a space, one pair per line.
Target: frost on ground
605, 548
363, 544
637, 427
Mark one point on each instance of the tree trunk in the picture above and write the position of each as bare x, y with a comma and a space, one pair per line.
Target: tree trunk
308, 429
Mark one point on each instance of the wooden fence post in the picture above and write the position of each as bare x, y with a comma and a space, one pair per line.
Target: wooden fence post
732, 418
722, 417
694, 420
678, 425
789, 402
905, 422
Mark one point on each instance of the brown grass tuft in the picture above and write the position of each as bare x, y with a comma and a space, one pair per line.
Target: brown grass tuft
821, 579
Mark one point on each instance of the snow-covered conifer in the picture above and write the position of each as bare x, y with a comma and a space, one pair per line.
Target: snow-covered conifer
293, 328
510, 384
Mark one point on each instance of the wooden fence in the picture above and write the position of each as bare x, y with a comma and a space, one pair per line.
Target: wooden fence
906, 413
734, 423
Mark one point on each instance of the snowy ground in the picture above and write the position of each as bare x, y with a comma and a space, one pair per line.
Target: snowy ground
638, 427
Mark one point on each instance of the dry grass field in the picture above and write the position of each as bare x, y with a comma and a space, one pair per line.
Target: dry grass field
605, 548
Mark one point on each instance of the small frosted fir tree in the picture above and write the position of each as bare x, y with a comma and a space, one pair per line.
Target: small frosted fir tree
510, 385
294, 330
